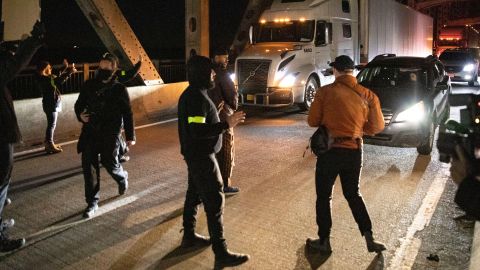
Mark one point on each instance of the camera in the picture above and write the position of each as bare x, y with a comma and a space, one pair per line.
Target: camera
466, 133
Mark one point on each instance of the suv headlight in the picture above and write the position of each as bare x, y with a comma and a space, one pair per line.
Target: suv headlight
414, 114
469, 67
232, 77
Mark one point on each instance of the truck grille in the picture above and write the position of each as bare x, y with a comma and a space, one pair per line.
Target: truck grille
387, 116
252, 75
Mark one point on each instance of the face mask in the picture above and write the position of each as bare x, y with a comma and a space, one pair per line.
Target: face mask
104, 74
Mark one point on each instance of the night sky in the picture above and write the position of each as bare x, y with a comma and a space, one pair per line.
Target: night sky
159, 25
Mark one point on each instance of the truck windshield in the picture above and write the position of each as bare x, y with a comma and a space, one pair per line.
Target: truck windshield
292, 31
395, 78
456, 56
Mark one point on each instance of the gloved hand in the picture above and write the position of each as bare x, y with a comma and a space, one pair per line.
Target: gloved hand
38, 30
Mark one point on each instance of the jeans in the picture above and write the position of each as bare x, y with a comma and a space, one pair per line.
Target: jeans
107, 146
205, 185
348, 164
51, 124
6, 166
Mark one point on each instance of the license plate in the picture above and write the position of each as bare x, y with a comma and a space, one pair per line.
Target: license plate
250, 97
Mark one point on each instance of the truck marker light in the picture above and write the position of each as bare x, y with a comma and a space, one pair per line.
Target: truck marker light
263, 21
302, 19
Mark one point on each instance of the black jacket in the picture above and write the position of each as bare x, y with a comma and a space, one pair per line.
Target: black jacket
199, 127
224, 91
109, 108
10, 65
47, 85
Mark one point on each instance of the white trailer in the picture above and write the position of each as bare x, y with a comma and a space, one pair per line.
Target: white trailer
295, 41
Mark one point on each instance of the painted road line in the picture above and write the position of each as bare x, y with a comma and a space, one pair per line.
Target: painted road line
40, 149
405, 255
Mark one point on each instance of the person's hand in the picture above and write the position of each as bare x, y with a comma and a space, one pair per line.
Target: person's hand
235, 119
461, 166
220, 106
72, 68
85, 117
38, 30
130, 143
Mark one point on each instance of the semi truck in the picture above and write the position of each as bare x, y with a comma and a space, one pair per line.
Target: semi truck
453, 37
294, 42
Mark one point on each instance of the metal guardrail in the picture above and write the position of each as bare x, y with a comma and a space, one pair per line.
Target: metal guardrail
22, 87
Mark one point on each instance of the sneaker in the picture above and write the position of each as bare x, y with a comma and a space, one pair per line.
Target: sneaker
90, 211
231, 190
7, 245
195, 240
8, 201
7, 224
123, 158
123, 187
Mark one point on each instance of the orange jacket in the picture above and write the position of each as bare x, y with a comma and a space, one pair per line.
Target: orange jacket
346, 114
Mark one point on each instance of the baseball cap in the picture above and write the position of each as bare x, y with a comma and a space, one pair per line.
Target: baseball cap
342, 63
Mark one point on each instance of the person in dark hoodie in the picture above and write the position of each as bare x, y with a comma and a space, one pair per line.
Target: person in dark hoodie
200, 131
47, 84
10, 65
103, 107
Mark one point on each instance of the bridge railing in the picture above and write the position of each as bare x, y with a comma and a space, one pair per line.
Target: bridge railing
23, 86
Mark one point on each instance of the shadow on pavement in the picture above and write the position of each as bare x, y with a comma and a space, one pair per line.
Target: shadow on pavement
36, 154
41, 180
314, 259
177, 256
378, 263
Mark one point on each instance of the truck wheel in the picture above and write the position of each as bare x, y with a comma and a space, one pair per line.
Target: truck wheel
309, 94
427, 145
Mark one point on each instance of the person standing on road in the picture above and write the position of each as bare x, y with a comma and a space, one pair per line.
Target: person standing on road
46, 84
10, 66
225, 97
103, 106
348, 111
200, 131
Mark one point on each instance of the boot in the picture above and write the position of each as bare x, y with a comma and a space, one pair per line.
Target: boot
321, 245
372, 245
194, 240
226, 258
51, 149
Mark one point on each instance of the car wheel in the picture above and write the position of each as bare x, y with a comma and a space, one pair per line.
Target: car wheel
427, 145
309, 94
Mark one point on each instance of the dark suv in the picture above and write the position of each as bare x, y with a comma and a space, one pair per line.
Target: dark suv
413, 93
461, 65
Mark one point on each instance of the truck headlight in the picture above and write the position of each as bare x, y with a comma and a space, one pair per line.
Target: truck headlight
469, 67
414, 114
232, 77
287, 81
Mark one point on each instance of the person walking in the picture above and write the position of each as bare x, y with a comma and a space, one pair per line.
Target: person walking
200, 131
103, 106
47, 84
10, 65
225, 97
348, 111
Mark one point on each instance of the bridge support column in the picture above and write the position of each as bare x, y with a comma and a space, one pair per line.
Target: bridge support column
197, 32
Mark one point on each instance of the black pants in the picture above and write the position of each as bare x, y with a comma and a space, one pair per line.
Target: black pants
205, 185
6, 166
348, 164
51, 124
107, 147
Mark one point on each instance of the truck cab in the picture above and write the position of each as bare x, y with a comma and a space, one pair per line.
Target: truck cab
291, 48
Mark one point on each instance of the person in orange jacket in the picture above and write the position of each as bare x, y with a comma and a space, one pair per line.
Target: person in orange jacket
348, 111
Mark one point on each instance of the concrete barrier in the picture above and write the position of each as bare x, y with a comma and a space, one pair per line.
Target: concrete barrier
149, 104
475, 257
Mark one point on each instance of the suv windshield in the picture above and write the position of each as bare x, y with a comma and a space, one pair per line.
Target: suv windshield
456, 56
397, 78
291, 31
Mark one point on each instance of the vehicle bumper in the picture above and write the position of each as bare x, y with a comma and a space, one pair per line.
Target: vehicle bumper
273, 97
403, 134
